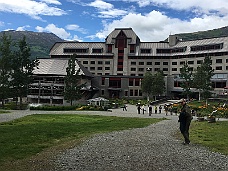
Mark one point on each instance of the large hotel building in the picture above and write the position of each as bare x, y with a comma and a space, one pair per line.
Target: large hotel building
115, 68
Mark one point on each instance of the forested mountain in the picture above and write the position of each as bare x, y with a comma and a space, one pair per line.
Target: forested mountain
39, 42
220, 32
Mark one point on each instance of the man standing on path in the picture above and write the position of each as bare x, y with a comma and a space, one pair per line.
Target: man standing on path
185, 119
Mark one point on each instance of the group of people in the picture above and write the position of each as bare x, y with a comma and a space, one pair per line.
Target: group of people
185, 117
142, 108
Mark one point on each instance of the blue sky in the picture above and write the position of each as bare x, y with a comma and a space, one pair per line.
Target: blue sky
93, 20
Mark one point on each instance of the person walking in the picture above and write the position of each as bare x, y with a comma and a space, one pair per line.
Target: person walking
143, 109
150, 110
155, 109
160, 108
138, 108
125, 107
185, 119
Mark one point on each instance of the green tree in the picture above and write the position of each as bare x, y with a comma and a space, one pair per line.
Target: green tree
22, 67
202, 78
146, 84
186, 75
5, 67
158, 86
153, 84
73, 83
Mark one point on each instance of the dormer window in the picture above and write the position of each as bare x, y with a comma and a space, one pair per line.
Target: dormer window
97, 50
145, 50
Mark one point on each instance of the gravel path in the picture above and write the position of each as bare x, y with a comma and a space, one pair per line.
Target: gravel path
150, 148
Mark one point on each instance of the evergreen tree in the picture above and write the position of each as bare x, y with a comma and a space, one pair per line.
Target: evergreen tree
202, 78
22, 70
73, 83
186, 75
5, 67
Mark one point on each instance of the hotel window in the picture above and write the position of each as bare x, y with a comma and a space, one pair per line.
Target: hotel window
92, 62
103, 81
85, 62
218, 61
199, 61
92, 68
132, 74
107, 73
133, 69
165, 69
218, 68
136, 92
120, 57
99, 73
107, 62
226, 60
136, 82
156, 69
120, 63
174, 69
207, 47
226, 67
141, 69
157, 63
100, 62
145, 50
133, 63
109, 49
97, 50
71, 50
140, 75
102, 92
141, 63
107, 68
131, 92
149, 63
165, 63
130, 82
182, 62
190, 62
132, 48
119, 69
99, 68
126, 93
174, 63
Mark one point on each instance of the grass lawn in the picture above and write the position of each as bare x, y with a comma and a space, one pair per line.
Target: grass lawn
212, 135
4, 111
27, 136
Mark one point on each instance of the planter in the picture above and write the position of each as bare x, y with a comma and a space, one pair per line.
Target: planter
200, 119
211, 119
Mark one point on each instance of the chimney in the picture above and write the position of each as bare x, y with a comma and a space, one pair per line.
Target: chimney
173, 40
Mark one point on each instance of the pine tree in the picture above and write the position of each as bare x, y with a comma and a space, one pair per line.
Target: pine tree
5, 67
202, 78
73, 83
22, 70
186, 75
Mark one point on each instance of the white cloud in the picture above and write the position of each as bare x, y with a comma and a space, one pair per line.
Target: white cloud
205, 6
75, 27
51, 2
156, 26
106, 10
60, 32
101, 5
23, 28
31, 8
